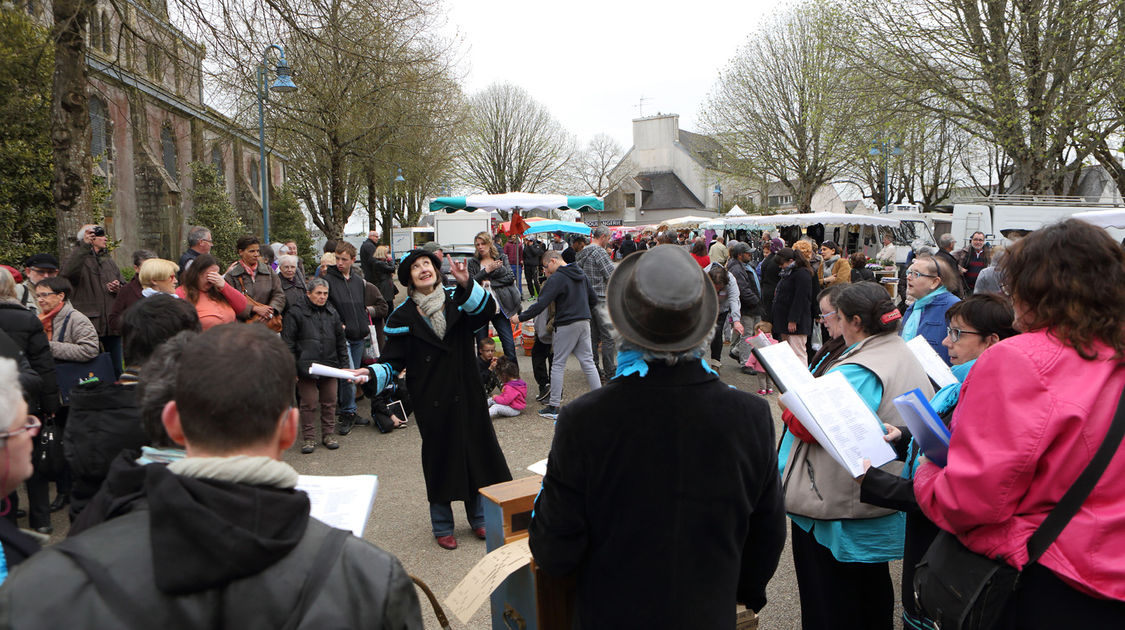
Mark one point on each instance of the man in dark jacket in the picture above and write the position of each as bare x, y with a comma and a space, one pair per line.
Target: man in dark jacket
532, 257
346, 294
749, 292
770, 276
96, 281
679, 521
573, 297
220, 538
199, 242
130, 293
367, 254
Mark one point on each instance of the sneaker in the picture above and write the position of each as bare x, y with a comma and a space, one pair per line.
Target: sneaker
344, 423
762, 392
308, 447
550, 412
447, 542
769, 390
360, 421
749, 371
330, 443
544, 394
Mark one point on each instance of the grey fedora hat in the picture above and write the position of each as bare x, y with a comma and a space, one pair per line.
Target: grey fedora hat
661, 300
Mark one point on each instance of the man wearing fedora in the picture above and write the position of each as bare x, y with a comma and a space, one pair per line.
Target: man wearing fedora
662, 495
573, 296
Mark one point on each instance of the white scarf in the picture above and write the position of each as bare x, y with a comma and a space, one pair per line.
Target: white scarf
433, 308
249, 469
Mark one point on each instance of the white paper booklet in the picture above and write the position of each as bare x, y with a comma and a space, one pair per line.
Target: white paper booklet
931, 362
783, 365
539, 467
319, 369
342, 502
840, 421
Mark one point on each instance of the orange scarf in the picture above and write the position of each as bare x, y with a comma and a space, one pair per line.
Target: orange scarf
48, 319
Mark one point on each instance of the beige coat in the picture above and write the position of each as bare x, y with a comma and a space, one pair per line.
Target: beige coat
79, 340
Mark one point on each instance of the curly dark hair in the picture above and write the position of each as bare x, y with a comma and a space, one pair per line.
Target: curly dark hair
194, 272
988, 313
1069, 278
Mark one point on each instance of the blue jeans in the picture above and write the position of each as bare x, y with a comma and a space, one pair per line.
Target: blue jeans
503, 328
345, 397
518, 270
441, 516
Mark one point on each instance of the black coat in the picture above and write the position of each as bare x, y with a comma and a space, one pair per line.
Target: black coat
30, 381
24, 328
668, 523
348, 298
104, 420
460, 453
793, 303
382, 276
18, 546
771, 275
747, 288
314, 334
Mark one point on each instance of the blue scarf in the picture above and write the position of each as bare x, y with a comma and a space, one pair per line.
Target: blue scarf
633, 362
946, 397
910, 328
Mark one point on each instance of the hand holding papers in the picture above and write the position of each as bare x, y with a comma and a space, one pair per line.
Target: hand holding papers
926, 426
319, 369
935, 368
783, 366
840, 421
342, 502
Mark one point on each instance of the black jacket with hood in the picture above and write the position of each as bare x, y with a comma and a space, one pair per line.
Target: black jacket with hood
571, 292
184, 552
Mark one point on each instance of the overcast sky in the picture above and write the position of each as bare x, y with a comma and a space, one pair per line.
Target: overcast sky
591, 61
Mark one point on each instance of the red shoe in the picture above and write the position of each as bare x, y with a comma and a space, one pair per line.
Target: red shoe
447, 542
478, 532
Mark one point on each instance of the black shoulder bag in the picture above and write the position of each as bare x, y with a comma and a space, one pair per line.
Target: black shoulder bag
963, 590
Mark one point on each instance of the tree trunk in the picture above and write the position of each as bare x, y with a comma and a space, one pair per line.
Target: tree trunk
1105, 157
70, 121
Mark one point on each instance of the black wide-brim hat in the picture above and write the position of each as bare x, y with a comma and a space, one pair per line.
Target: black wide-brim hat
661, 300
404, 267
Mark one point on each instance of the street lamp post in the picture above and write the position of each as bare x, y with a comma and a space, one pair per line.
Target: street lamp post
885, 148
282, 84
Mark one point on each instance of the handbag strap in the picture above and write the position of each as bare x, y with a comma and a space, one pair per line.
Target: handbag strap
1069, 504
62, 329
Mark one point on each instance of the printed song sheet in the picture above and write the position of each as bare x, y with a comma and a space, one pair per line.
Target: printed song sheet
342, 502
783, 366
489, 573
931, 362
319, 369
840, 421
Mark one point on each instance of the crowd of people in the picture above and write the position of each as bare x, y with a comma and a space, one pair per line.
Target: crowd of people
211, 382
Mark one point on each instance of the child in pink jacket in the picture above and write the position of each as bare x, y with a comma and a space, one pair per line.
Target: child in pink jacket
762, 338
512, 399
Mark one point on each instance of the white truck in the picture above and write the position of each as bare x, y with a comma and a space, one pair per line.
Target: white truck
996, 217
455, 231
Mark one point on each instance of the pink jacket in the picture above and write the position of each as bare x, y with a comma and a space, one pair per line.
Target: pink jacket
1031, 414
513, 394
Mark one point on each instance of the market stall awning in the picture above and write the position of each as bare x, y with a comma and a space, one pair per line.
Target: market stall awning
551, 225
1114, 218
687, 222
506, 226
802, 220
513, 200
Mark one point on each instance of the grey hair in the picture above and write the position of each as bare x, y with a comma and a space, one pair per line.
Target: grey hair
945, 240
599, 232
287, 259
7, 285
316, 282
82, 232
549, 255
142, 255
197, 234
10, 391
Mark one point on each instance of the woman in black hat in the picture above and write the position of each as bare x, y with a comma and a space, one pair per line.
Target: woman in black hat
430, 335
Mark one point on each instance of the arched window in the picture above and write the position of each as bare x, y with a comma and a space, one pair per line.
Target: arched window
101, 133
95, 31
106, 33
168, 148
217, 160
255, 179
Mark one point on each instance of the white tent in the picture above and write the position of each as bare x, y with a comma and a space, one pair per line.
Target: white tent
735, 212
687, 222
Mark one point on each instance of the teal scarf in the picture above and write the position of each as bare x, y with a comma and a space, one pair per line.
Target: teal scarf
946, 397
633, 362
910, 328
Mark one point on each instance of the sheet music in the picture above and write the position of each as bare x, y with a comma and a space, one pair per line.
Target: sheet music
472, 591
783, 365
931, 362
319, 369
539, 467
850, 430
343, 502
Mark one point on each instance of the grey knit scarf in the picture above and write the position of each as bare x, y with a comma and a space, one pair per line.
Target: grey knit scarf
433, 307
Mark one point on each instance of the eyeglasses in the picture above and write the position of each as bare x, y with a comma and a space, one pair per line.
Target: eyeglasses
918, 274
823, 316
33, 425
955, 333
205, 240
43, 296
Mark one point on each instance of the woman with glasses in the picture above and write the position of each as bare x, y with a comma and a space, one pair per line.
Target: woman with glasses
17, 429
927, 290
72, 334
842, 546
1030, 415
974, 325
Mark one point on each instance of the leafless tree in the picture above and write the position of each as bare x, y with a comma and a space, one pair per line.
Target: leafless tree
599, 167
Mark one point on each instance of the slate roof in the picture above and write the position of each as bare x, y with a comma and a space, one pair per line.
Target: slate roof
703, 148
665, 191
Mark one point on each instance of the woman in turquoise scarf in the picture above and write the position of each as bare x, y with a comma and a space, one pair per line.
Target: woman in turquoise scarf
973, 326
927, 283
